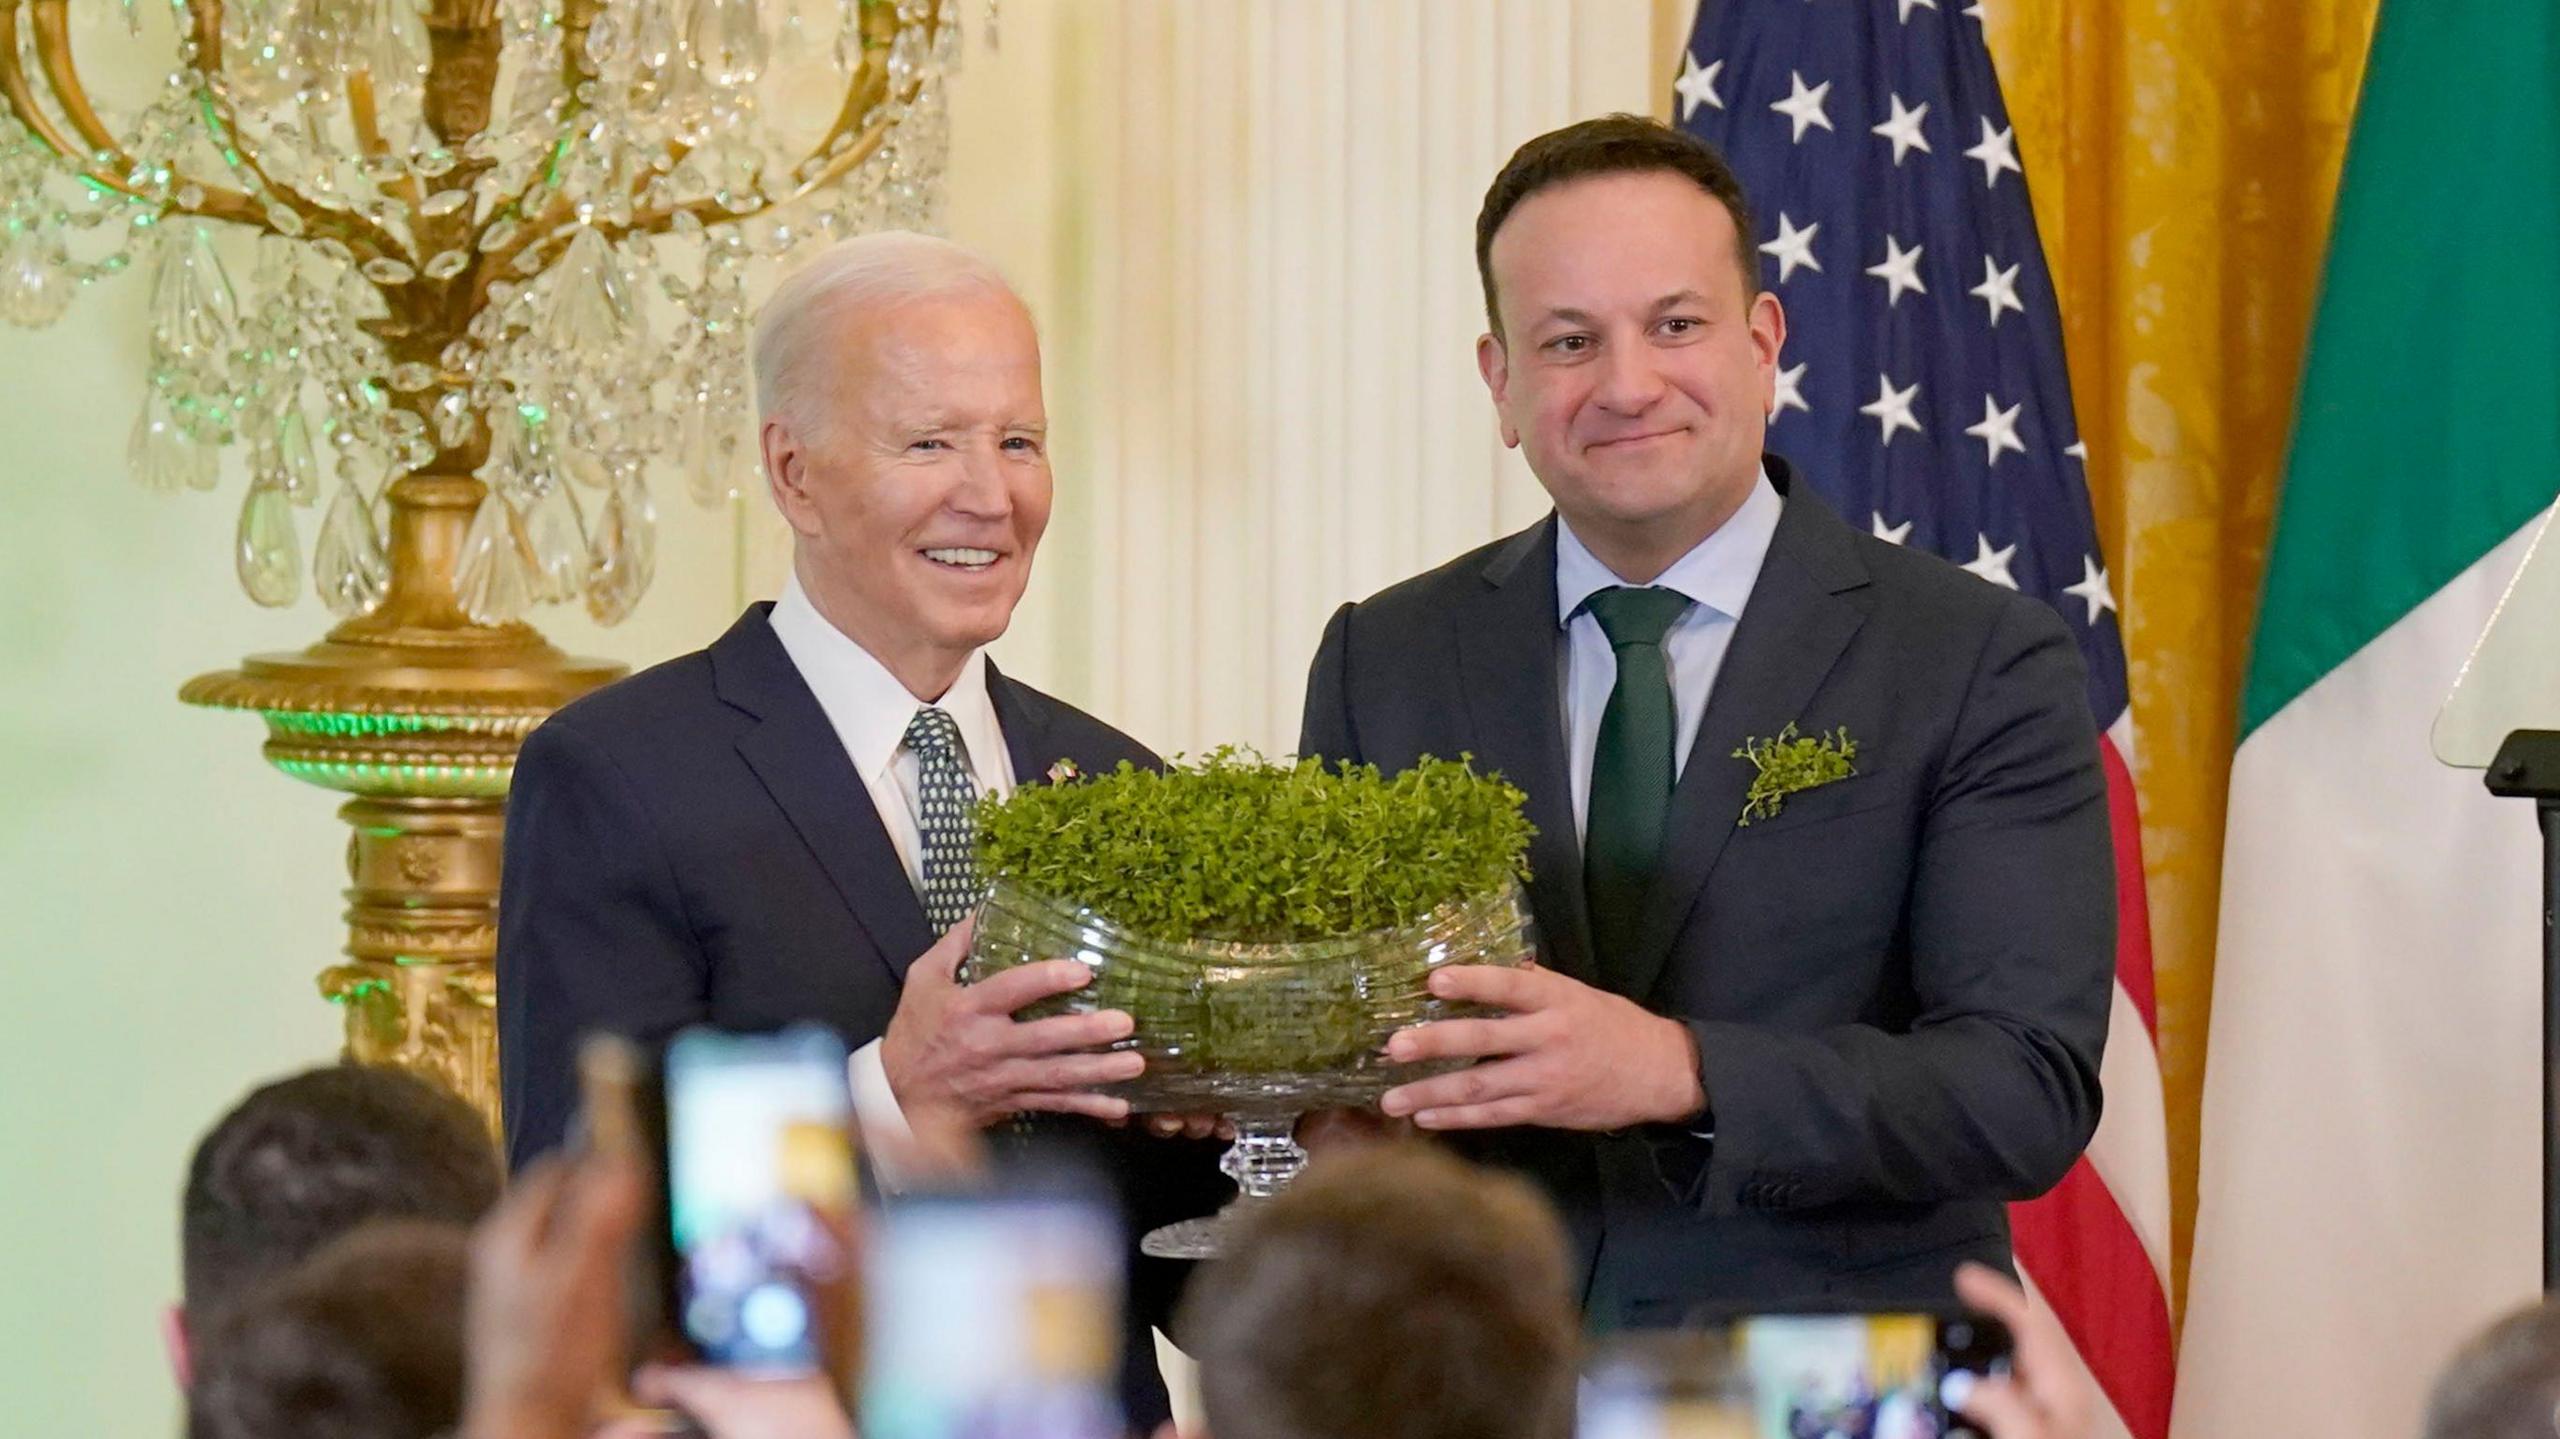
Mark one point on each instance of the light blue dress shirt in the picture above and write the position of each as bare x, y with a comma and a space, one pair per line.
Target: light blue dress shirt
1717, 575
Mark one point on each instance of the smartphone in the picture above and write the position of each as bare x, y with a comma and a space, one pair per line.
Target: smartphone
1796, 1376
995, 1314
756, 1160
1891, 1376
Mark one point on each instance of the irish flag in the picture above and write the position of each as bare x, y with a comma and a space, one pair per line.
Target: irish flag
2370, 1186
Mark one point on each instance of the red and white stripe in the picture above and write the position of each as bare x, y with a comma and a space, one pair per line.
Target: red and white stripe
2095, 1251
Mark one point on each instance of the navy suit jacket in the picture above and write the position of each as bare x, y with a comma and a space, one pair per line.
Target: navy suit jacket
692, 845
1899, 985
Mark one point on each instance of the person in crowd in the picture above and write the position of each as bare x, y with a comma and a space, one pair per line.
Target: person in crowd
308, 1158
2504, 1383
1393, 1291
361, 1340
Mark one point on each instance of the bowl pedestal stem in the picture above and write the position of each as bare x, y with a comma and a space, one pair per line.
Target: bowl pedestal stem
1262, 1161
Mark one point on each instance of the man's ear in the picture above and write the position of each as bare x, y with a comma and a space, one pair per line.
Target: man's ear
1768, 333
786, 475
1493, 361
173, 1337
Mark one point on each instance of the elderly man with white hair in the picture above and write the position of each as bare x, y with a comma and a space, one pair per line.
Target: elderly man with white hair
775, 828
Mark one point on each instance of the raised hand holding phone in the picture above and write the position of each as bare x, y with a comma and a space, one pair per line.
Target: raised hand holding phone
543, 1322
2043, 1397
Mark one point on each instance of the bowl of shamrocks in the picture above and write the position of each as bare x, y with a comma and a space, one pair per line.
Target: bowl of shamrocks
1267, 927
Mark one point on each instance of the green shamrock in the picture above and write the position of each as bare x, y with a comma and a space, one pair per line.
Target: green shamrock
1791, 764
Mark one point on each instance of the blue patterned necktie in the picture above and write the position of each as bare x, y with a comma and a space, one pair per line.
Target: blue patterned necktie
944, 797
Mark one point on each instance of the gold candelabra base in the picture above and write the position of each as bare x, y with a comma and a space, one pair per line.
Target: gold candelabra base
417, 712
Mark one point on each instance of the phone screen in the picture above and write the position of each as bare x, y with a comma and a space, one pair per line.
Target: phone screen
1811, 1376
1860, 1374
994, 1316
760, 1197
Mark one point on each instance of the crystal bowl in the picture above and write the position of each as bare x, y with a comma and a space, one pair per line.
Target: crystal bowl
1254, 1028
1260, 1033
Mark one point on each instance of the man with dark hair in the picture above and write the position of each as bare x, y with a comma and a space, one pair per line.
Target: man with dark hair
2505, 1383
304, 1160
1393, 1292
1822, 872
363, 1340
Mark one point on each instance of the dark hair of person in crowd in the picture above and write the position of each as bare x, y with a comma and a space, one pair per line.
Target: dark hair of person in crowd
2505, 1383
307, 1158
1610, 145
363, 1340
1392, 1292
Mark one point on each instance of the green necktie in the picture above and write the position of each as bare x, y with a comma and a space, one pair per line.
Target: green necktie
1631, 772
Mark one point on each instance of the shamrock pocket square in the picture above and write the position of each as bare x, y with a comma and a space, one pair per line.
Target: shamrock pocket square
1792, 763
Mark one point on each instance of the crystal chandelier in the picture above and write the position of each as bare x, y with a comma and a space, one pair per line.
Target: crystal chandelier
466, 206
496, 300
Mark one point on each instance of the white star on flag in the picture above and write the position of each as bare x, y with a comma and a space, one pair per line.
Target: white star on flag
1900, 271
1803, 105
1903, 129
1793, 247
1998, 430
1890, 534
1991, 564
2092, 589
2078, 450
1892, 407
1998, 290
1790, 394
1910, 5
1697, 85
1997, 152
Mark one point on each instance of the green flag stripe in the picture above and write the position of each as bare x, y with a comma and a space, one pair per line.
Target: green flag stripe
2429, 427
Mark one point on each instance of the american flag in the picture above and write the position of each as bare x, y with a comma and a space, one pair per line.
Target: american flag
1922, 391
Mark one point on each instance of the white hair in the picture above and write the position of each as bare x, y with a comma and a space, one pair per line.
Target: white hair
887, 268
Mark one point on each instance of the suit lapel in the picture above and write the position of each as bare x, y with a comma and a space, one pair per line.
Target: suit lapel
1507, 644
1802, 613
1023, 714
795, 753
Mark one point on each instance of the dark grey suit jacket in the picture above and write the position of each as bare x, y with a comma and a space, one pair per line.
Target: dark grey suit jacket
1899, 986
692, 845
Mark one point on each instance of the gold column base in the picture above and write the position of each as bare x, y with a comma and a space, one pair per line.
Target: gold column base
425, 736
422, 937
417, 711
428, 751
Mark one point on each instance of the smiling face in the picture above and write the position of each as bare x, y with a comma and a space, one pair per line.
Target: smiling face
920, 488
1633, 371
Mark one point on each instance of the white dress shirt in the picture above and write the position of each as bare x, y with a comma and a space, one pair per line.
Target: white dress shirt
870, 710
1717, 575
